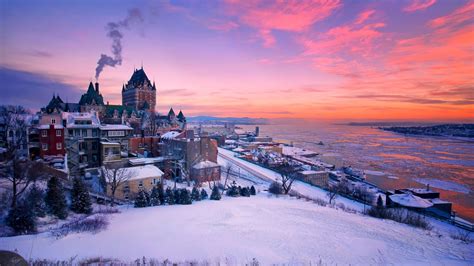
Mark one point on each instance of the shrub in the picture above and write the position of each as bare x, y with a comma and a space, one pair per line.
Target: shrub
233, 191
275, 188
185, 197
245, 192
155, 197
215, 195
89, 224
203, 194
463, 235
21, 218
142, 200
252, 191
55, 199
400, 215
195, 194
169, 196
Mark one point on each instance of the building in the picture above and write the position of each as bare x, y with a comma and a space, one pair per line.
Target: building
82, 137
110, 151
51, 139
205, 171
139, 92
184, 146
316, 178
141, 178
117, 133
146, 146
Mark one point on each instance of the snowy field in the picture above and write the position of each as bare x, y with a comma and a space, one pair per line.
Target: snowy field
236, 230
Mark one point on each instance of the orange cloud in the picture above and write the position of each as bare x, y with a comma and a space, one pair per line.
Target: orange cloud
294, 16
419, 5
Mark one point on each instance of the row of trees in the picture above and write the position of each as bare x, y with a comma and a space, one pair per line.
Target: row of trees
168, 196
23, 216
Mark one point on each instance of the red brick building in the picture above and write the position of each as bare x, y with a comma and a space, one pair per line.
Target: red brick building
142, 145
51, 139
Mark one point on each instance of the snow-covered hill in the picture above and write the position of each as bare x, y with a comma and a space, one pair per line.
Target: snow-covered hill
270, 229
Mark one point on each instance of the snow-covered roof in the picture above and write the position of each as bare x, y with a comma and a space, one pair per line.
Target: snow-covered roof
438, 201
239, 149
421, 190
140, 161
410, 200
311, 172
71, 119
170, 135
115, 127
205, 164
144, 171
109, 143
55, 126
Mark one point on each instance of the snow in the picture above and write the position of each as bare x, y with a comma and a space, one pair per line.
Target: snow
144, 171
205, 164
47, 126
115, 127
270, 229
410, 200
109, 143
170, 135
140, 161
289, 150
445, 185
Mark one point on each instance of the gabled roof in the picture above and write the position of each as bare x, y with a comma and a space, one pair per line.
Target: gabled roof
91, 97
139, 77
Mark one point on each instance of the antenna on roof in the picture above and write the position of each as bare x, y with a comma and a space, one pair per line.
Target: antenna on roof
142, 64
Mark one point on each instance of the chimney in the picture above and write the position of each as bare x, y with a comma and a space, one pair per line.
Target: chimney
97, 87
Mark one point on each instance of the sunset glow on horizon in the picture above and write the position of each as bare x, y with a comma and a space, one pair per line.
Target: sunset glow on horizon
354, 60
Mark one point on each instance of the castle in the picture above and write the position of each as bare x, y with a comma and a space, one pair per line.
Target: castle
138, 104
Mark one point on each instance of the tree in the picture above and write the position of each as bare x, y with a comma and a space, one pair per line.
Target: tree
35, 201
161, 193
169, 196
22, 219
142, 200
233, 191
252, 191
275, 188
185, 197
195, 194
55, 199
203, 194
288, 176
379, 202
115, 176
245, 192
334, 190
19, 171
215, 195
155, 196
228, 169
177, 196
80, 198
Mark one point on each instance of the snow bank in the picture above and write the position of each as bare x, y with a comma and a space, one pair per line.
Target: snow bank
273, 230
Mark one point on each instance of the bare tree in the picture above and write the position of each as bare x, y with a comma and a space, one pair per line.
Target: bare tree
334, 190
228, 168
115, 176
149, 123
20, 172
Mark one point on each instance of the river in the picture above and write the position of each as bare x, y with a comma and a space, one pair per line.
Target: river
447, 165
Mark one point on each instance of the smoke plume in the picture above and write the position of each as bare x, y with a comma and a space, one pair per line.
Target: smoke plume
115, 33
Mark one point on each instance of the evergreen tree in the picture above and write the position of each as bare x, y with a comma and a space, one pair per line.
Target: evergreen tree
21, 218
35, 201
80, 199
155, 197
161, 193
177, 196
55, 199
215, 195
142, 199
195, 194
379, 202
185, 197
245, 192
203, 194
169, 196
252, 191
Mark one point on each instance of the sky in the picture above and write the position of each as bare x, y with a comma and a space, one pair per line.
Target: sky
331, 59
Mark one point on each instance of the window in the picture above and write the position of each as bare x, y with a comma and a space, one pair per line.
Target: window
140, 184
71, 132
58, 133
94, 157
116, 133
44, 133
94, 133
53, 121
84, 132
44, 146
59, 146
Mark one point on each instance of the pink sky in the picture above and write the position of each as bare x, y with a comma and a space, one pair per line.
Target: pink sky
307, 59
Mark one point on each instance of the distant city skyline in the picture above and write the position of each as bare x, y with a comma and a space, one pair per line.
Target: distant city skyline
353, 60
